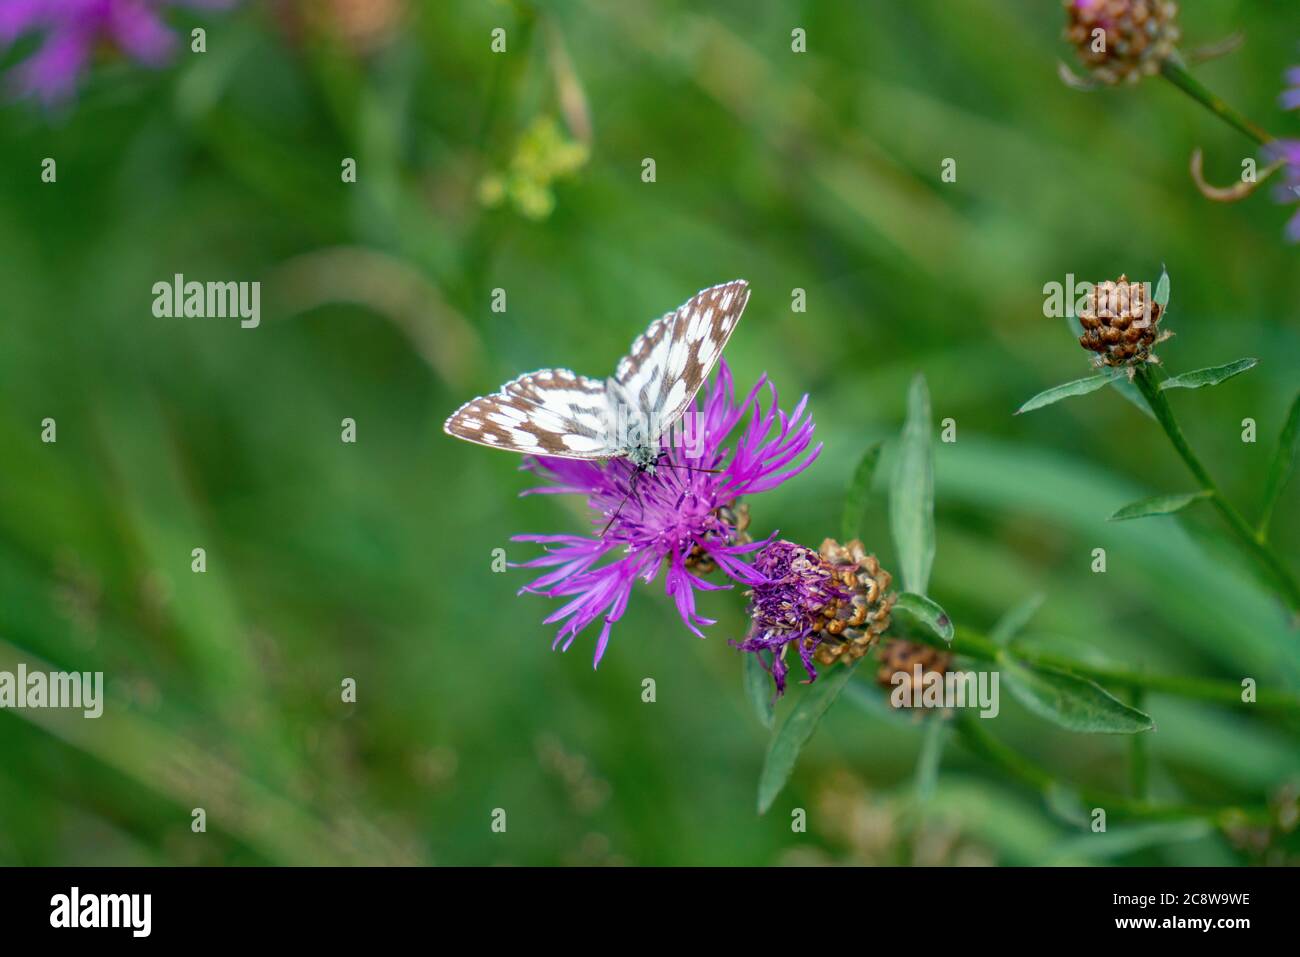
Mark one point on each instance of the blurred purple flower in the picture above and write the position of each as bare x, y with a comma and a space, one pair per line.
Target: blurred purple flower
1291, 98
72, 30
1288, 191
676, 517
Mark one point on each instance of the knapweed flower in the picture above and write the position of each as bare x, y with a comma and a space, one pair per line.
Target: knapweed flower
1135, 36
72, 31
830, 605
683, 517
1121, 324
1288, 190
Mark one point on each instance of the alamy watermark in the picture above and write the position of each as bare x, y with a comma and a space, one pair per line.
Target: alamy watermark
952, 689
179, 299
53, 689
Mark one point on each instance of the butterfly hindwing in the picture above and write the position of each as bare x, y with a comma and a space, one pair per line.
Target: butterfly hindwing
551, 412
667, 365
555, 412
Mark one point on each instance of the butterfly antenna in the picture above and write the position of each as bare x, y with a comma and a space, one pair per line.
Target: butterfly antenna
631, 490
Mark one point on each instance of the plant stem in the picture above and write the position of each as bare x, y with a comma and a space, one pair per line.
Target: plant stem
1177, 73
1248, 537
1040, 779
975, 645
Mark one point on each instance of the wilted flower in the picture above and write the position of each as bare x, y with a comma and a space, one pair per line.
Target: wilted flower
72, 31
1122, 40
680, 517
830, 604
900, 657
360, 26
1121, 323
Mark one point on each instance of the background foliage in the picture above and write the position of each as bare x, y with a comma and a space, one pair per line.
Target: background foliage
325, 560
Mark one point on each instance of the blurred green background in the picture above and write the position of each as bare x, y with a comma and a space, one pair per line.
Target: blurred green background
372, 561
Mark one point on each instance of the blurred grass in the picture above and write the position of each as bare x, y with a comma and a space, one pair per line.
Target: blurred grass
372, 561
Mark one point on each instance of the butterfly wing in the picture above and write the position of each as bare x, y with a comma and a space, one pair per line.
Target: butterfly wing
669, 363
551, 412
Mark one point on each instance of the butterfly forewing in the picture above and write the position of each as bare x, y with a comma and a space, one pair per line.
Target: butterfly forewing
668, 364
552, 412
555, 412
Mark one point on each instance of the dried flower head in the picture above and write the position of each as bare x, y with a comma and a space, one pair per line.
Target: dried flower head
1122, 40
73, 31
898, 661
684, 517
1121, 324
830, 604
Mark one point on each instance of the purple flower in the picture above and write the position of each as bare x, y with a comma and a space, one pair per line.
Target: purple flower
679, 517
1291, 98
72, 30
798, 586
1288, 191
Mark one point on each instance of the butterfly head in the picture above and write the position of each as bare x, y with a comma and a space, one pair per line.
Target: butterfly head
644, 458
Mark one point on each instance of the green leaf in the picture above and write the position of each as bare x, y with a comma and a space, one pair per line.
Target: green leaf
1127, 840
1066, 390
1159, 505
919, 610
911, 494
1010, 624
931, 756
1072, 702
758, 688
1162, 288
783, 751
1211, 376
1283, 464
855, 499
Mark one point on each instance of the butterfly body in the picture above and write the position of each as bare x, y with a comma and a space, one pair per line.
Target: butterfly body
555, 412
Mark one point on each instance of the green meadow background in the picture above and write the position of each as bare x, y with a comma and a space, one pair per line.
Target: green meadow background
522, 171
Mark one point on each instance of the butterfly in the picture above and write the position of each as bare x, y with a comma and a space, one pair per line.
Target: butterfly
555, 412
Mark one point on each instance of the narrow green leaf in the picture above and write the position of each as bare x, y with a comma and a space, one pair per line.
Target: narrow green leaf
1211, 376
911, 494
1010, 624
1283, 464
1162, 288
1072, 702
1126, 840
855, 499
1159, 505
783, 751
930, 758
918, 610
759, 689
1065, 390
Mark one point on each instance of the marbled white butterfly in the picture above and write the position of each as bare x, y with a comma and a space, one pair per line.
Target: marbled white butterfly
555, 412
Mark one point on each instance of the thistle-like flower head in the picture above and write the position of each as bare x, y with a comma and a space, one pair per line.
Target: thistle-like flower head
1122, 40
1121, 324
682, 517
830, 605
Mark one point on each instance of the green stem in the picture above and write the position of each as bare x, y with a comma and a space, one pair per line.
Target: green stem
1043, 781
977, 646
1248, 537
1176, 73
